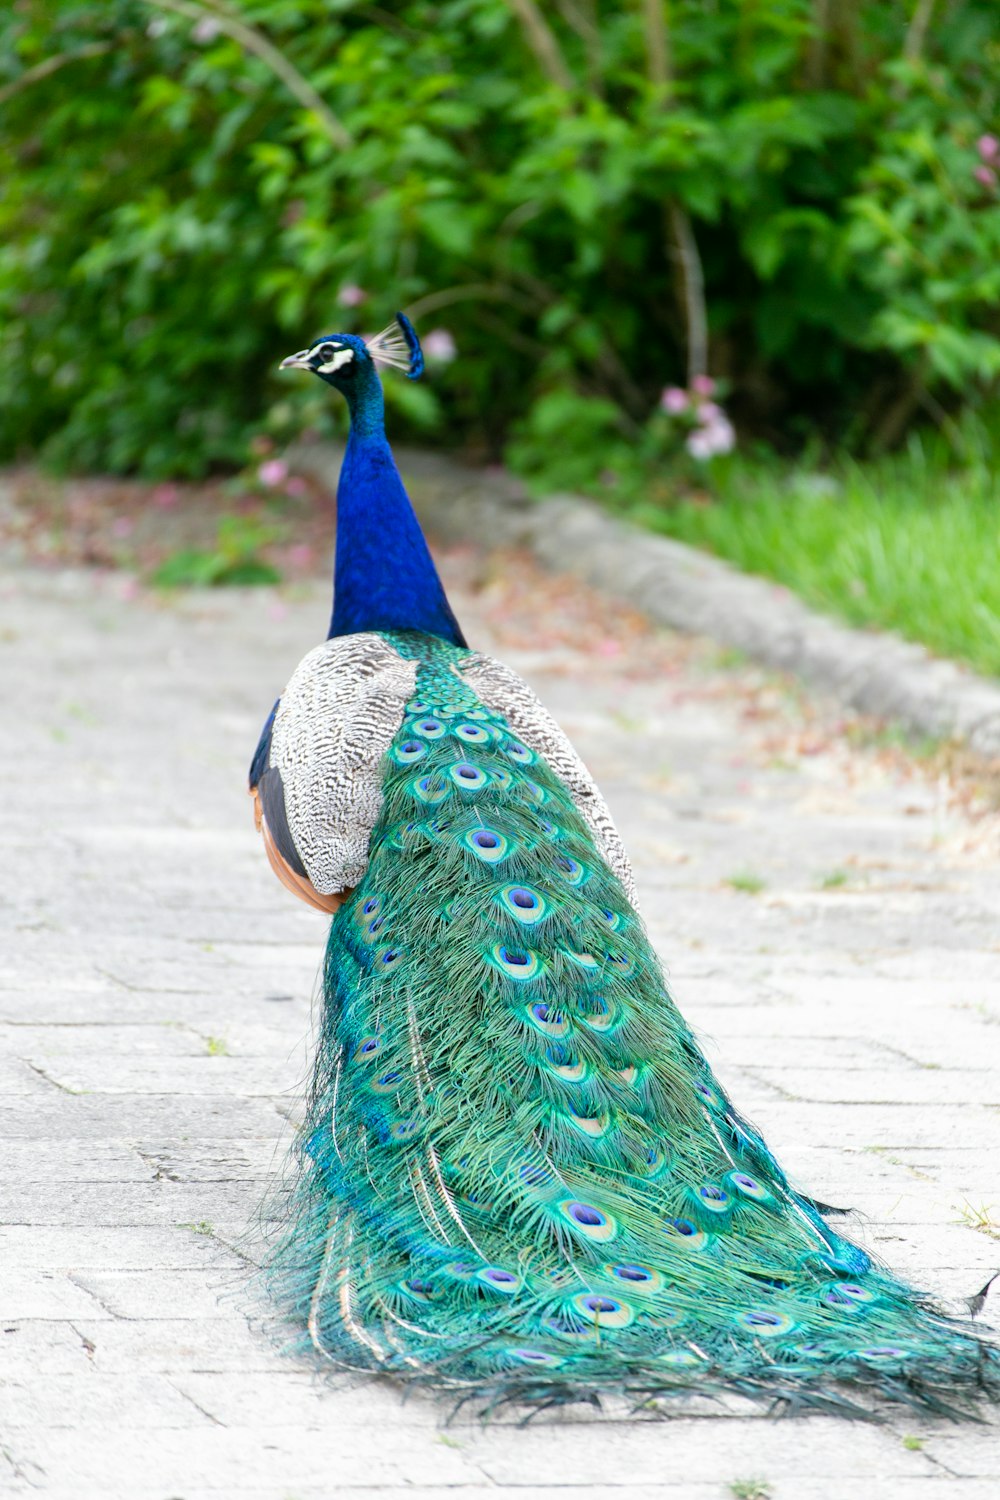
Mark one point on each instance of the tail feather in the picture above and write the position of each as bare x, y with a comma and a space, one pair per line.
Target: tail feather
519, 1176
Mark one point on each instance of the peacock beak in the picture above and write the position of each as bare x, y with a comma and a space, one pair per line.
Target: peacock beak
298, 361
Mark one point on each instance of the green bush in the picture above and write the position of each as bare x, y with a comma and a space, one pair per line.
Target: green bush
187, 187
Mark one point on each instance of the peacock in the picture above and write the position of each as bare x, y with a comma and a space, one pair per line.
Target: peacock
518, 1178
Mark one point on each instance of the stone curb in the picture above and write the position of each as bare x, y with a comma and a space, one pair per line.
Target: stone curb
874, 672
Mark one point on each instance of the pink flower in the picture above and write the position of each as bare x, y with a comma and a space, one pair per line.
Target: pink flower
989, 147
708, 411
440, 346
273, 472
122, 526
297, 487
674, 400
165, 496
301, 555
351, 295
206, 30
985, 175
703, 385
715, 437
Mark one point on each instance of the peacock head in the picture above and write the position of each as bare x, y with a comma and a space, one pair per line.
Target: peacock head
347, 362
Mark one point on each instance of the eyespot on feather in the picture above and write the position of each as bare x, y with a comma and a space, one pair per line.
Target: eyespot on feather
640, 1278
585, 961
467, 777
387, 1082
588, 1220
462, 1270
518, 753
764, 1322
516, 962
430, 728
530, 791
421, 1290
574, 1070
600, 1015
620, 964
408, 752
526, 905
605, 1311
571, 870
684, 1234
592, 1125
885, 1353
656, 1161
680, 1359
534, 1357
430, 789
486, 844
749, 1187
847, 1294
547, 1019
713, 1199
499, 1280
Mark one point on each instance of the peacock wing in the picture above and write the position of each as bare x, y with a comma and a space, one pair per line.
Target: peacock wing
315, 776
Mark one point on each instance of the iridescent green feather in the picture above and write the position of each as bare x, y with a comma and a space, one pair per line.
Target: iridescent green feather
518, 1174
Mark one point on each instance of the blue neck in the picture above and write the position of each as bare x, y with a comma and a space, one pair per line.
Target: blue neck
384, 578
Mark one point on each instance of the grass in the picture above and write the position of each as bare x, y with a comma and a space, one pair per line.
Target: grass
907, 543
745, 881
982, 1217
749, 1489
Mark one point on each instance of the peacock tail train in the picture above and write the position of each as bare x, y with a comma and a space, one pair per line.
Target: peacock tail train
517, 1175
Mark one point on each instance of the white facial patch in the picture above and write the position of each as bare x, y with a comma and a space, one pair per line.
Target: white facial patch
338, 358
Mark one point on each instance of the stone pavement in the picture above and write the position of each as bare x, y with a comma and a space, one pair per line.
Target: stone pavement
828, 914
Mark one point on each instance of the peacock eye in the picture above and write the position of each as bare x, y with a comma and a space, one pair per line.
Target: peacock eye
327, 351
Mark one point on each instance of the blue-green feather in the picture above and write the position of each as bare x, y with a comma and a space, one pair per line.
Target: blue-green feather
518, 1173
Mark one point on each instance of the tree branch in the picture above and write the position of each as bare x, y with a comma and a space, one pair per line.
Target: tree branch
256, 42
657, 43
815, 70
542, 41
50, 65
917, 30
691, 290
582, 17
690, 282
471, 291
